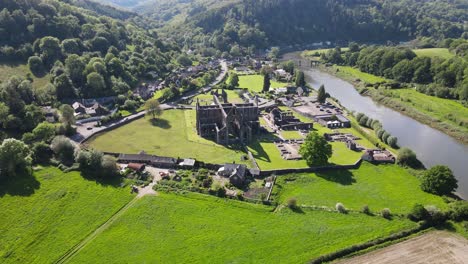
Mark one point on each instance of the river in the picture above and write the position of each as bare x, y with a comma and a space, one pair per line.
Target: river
431, 146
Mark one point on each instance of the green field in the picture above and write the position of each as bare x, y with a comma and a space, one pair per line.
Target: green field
383, 186
353, 73
202, 229
233, 97
445, 110
8, 70
255, 83
173, 135
44, 216
434, 52
320, 51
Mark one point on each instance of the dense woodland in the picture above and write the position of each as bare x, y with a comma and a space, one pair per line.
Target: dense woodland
258, 24
445, 78
85, 55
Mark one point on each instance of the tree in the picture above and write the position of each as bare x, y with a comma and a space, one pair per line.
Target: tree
63, 87
300, 79
14, 157
41, 153
63, 149
95, 83
44, 132
75, 67
67, 115
35, 65
407, 157
316, 150
439, 180
153, 108
50, 49
274, 53
322, 94
184, 60
234, 79
109, 167
266, 83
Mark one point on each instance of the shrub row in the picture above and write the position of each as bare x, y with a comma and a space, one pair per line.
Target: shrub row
376, 125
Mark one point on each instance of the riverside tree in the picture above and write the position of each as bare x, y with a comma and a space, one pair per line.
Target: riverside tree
439, 180
316, 150
322, 94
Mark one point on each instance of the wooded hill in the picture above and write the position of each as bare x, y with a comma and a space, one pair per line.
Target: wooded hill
265, 23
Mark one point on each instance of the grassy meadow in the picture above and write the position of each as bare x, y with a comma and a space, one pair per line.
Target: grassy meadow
173, 134
255, 83
46, 214
196, 228
8, 70
434, 52
354, 73
382, 186
445, 110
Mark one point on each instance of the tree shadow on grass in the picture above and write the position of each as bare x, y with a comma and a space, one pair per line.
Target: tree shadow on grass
256, 145
24, 184
343, 177
115, 181
161, 123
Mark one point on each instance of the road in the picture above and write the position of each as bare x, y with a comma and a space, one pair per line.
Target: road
85, 131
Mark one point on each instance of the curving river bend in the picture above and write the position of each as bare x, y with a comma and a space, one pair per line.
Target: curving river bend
432, 146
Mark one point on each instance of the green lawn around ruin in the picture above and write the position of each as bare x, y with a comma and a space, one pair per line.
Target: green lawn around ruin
255, 83
207, 98
173, 135
44, 215
378, 186
195, 228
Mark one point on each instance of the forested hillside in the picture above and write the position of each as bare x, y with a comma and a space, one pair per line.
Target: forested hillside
264, 23
84, 53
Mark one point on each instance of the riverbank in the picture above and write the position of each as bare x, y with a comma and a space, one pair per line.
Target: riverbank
431, 115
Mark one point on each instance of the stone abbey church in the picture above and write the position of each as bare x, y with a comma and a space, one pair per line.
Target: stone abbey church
227, 123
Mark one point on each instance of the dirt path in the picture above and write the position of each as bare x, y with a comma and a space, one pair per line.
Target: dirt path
434, 247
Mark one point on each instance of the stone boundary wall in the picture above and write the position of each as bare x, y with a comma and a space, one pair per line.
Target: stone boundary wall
265, 173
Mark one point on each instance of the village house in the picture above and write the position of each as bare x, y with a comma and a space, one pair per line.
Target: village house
235, 172
94, 110
137, 167
157, 161
333, 121
378, 156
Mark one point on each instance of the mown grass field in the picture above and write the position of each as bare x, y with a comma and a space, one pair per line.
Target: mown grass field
255, 83
202, 229
353, 73
8, 70
42, 217
173, 135
268, 156
434, 52
383, 186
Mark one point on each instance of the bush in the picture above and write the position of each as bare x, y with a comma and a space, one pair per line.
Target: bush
406, 157
221, 192
340, 208
459, 211
386, 213
418, 213
392, 141
365, 209
437, 217
292, 203
439, 180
